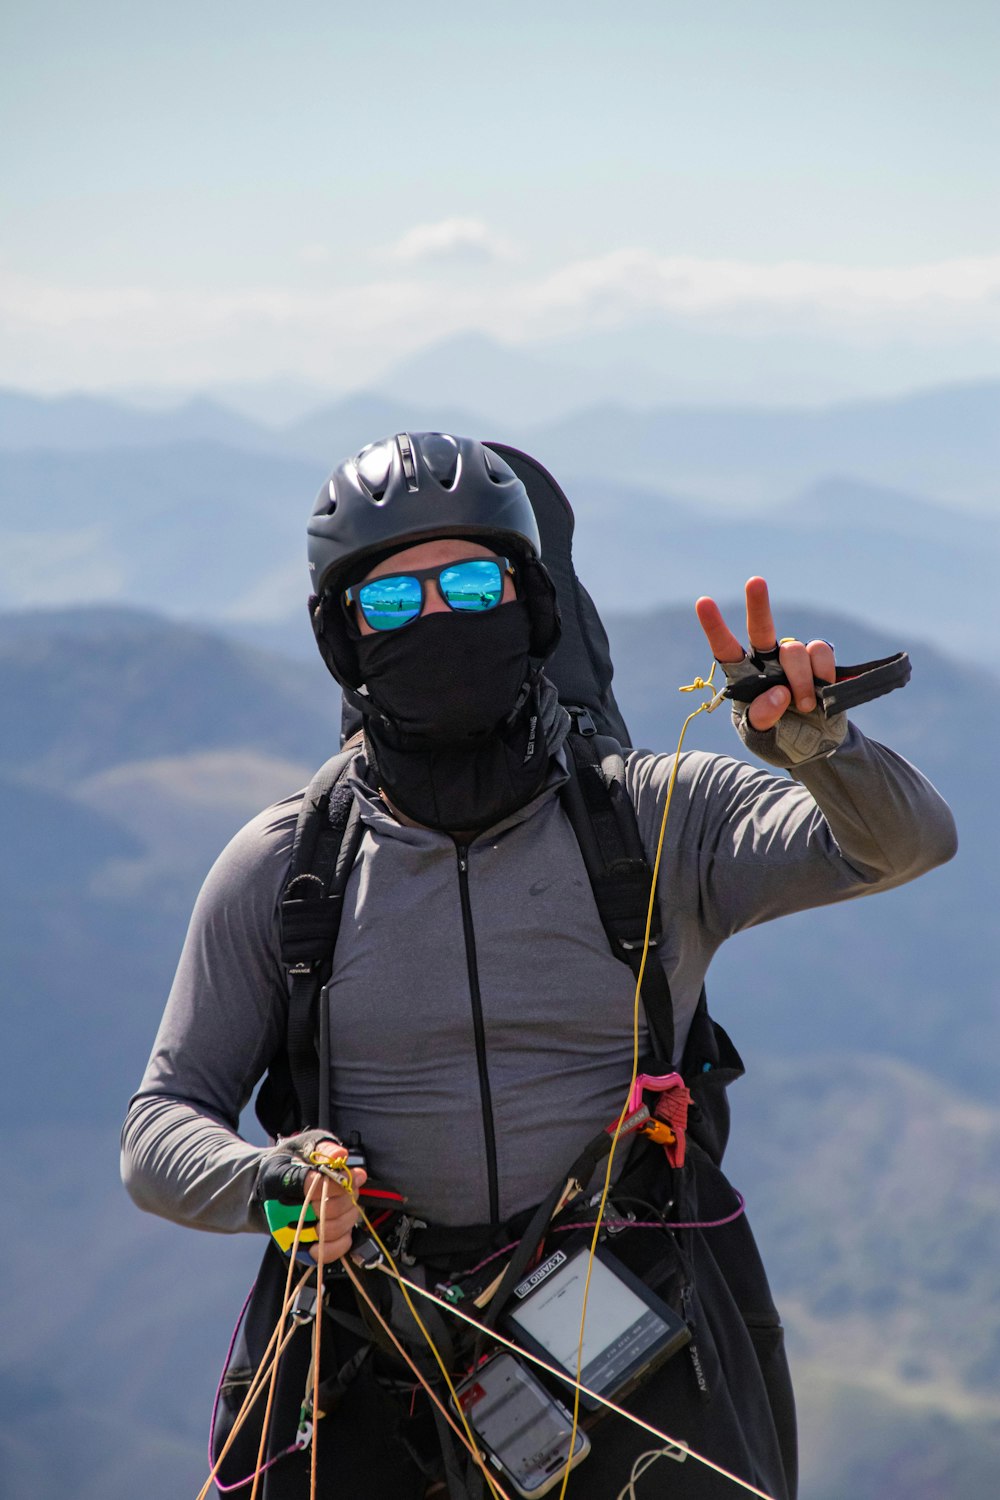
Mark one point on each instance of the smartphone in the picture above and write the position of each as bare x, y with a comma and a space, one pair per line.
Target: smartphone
524, 1430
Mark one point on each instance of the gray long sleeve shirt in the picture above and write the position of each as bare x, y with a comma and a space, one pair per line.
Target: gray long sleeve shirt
510, 947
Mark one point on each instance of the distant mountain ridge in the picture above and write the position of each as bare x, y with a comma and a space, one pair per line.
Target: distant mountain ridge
209, 532
76, 423
943, 442
88, 690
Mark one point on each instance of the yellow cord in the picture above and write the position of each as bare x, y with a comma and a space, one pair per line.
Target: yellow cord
698, 685
254, 1389
316, 1349
286, 1303
340, 1173
268, 1368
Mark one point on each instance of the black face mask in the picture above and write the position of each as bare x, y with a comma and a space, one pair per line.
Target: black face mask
454, 728
449, 679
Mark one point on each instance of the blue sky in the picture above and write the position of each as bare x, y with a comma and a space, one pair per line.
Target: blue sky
201, 193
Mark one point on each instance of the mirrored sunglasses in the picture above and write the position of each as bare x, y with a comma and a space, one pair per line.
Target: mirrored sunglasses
470, 586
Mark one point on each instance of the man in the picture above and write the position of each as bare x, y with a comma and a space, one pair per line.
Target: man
481, 1029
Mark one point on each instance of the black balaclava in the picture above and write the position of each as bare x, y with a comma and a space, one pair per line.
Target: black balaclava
452, 723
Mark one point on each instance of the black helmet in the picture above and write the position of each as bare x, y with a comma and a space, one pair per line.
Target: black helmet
410, 488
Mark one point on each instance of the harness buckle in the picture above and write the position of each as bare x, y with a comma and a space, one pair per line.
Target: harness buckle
583, 722
627, 1214
366, 1254
303, 1308
660, 1132
404, 1233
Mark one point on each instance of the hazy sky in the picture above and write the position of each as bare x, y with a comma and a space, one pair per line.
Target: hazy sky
202, 192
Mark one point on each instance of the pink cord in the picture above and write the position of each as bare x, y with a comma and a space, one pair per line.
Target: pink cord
225, 1488
624, 1224
706, 1223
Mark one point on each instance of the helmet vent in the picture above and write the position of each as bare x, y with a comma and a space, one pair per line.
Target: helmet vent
491, 472
440, 453
374, 465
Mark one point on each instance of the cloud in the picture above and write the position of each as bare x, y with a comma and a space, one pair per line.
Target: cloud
614, 288
346, 333
464, 240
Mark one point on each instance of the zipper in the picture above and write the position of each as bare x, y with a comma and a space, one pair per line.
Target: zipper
479, 1028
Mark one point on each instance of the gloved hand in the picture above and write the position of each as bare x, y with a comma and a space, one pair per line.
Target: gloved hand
283, 1182
785, 726
796, 736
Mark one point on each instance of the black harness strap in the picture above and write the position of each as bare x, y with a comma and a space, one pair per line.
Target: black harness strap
603, 818
852, 686
327, 836
581, 1172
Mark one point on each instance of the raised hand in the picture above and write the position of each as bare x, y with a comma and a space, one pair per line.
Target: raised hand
800, 663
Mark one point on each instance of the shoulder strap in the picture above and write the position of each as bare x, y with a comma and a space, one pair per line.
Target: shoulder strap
603, 819
327, 836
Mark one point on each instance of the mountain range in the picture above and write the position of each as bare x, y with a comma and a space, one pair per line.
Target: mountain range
212, 533
937, 442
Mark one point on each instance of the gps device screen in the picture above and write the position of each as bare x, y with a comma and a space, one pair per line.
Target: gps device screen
628, 1328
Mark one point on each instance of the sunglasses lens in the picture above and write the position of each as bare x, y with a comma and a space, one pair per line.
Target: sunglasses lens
388, 603
474, 585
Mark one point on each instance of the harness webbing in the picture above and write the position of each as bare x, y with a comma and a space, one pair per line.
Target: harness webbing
603, 818
325, 845
580, 1172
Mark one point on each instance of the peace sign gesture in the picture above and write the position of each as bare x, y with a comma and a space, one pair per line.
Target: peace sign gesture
800, 663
